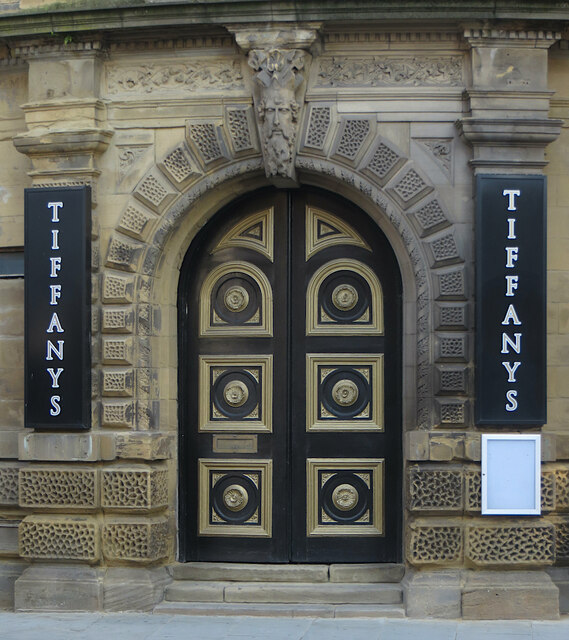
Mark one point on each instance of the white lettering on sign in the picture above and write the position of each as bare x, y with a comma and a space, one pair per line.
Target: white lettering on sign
55, 293
510, 343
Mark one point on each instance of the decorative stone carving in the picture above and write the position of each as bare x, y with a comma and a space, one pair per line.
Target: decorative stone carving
206, 140
430, 217
561, 542
135, 540
383, 161
318, 127
435, 544
117, 414
452, 379
451, 412
154, 191
118, 320
278, 77
435, 489
510, 544
59, 488
179, 166
352, 136
117, 289
451, 316
9, 483
410, 188
135, 487
117, 350
441, 150
201, 75
59, 538
128, 157
382, 71
444, 250
562, 489
451, 348
239, 121
124, 255
117, 382
451, 284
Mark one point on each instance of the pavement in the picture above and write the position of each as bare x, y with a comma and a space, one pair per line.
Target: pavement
124, 626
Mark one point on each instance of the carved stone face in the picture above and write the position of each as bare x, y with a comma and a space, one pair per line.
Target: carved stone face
278, 112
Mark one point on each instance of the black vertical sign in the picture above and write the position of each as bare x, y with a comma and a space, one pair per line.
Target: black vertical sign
510, 300
57, 308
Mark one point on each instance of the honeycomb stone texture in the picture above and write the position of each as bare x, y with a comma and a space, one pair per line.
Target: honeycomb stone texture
136, 221
117, 350
514, 544
452, 380
562, 489
238, 125
431, 217
8, 483
204, 138
452, 316
117, 414
410, 187
452, 412
435, 489
118, 320
135, 540
547, 490
451, 284
135, 487
118, 382
59, 488
435, 544
562, 542
153, 191
444, 249
124, 255
383, 161
59, 538
318, 126
354, 134
452, 348
473, 490
179, 166
117, 289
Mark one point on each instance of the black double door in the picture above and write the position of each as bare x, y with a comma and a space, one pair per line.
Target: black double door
290, 385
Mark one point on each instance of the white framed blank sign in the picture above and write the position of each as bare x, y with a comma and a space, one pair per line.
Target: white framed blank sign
511, 474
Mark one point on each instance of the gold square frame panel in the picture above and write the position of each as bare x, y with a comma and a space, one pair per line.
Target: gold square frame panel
265, 469
264, 424
364, 465
315, 360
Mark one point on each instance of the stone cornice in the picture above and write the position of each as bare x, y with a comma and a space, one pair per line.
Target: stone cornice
124, 15
510, 37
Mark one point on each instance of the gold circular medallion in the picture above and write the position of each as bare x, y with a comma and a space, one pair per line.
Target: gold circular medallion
236, 298
345, 392
235, 498
236, 393
345, 497
344, 297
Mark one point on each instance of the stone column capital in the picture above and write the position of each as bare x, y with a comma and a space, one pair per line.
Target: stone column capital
262, 36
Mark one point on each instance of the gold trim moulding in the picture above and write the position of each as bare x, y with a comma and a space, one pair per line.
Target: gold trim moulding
264, 423
373, 466
265, 469
333, 361
314, 327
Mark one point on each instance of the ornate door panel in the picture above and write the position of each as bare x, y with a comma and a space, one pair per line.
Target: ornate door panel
290, 385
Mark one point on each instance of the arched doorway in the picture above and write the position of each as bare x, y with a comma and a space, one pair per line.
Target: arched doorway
289, 310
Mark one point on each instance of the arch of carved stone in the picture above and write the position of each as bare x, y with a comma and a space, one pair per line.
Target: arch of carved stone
344, 151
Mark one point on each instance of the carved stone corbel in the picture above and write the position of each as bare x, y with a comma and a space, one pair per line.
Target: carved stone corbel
278, 56
278, 77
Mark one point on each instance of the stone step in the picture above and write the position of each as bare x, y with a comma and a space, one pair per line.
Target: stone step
282, 610
283, 593
236, 572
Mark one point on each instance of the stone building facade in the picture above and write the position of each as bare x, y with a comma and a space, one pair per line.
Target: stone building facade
167, 111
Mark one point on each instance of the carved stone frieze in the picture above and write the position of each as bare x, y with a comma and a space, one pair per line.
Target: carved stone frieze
380, 71
202, 75
277, 80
